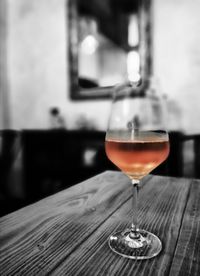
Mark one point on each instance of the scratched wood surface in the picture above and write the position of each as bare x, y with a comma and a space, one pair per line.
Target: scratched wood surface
67, 233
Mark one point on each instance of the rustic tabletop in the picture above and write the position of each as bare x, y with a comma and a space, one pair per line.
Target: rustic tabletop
67, 233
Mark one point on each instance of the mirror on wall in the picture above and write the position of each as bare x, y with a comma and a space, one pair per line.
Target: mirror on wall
109, 42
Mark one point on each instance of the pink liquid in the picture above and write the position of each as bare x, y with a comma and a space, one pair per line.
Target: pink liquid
137, 158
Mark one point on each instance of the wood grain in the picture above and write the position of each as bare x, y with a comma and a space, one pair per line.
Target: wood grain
186, 259
38, 237
162, 203
67, 233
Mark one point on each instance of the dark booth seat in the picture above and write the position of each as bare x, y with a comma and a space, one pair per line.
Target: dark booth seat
10, 146
57, 159
52, 160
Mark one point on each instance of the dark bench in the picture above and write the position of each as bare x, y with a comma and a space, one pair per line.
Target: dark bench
52, 160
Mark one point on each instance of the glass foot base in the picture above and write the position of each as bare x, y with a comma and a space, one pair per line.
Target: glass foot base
146, 246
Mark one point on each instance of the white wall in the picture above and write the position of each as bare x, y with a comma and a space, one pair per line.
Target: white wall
37, 62
4, 86
38, 68
177, 56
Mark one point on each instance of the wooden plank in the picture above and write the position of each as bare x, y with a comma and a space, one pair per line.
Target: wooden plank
186, 259
162, 203
37, 238
66, 234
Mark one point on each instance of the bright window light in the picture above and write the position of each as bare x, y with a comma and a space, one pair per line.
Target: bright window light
89, 45
133, 66
133, 33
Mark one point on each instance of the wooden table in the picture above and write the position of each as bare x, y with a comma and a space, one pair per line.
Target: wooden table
67, 233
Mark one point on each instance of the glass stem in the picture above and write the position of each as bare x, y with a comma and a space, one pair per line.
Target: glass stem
134, 233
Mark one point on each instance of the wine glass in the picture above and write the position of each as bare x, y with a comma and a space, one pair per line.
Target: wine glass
136, 142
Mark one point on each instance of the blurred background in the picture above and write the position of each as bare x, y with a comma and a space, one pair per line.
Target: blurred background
58, 63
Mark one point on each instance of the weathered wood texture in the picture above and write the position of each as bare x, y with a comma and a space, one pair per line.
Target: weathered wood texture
67, 233
186, 259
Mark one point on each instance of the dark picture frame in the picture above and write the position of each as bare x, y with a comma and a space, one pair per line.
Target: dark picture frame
145, 50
